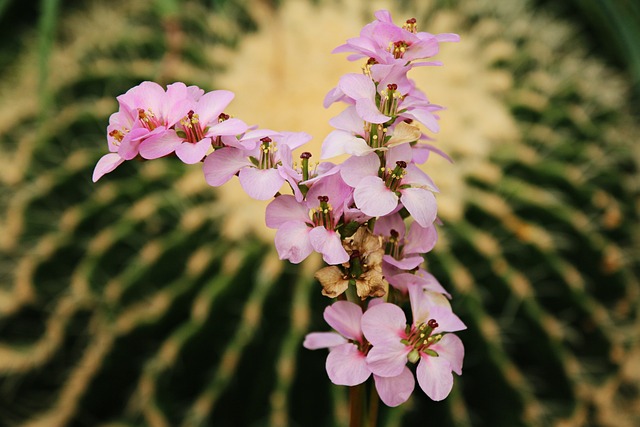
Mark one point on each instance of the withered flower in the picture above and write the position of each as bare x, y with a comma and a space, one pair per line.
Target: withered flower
364, 268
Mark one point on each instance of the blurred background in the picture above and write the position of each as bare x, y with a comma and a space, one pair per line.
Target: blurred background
151, 299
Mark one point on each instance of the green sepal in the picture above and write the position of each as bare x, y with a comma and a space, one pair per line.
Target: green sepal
430, 352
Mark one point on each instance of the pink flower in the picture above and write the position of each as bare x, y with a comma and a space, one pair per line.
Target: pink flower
395, 343
359, 90
203, 123
403, 251
377, 190
311, 224
156, 112
386, 43
346, 363
263, 169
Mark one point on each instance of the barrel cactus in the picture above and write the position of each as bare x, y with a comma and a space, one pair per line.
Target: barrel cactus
152, 299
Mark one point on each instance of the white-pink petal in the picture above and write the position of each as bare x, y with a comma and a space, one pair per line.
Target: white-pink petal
354, 169
211, 104
221, 165
388, 360
394, 391
193, 153
420, 240
374, 198
435, 377
106, 164
383, 323
317, 340
260, 184
451, 348
421, 204
160, 145
283, 209
227, 127
344, 317
292, 241
407, 263
346, 365
328, 243
369, 112
339, 142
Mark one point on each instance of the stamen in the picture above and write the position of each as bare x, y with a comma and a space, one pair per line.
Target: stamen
410, 25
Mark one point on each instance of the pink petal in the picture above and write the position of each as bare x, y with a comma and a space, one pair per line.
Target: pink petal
130, 145
417, 178
394, 391
357, 86
228, 127
374, 198
316, 340
447, 320
344, 317
283, 209
221, 165
424, 116
422, 279
388, 360
450, 347
346, 365
420, 239
328, 243
354, 169
420, 203
292, 241
387, 223
160, 145
294, 140
106, 164
434, 376
212, 104
402, 152
348, 120
260, 184
383, 323
369, 112
193, 153
340, 142
407, 263
424, 304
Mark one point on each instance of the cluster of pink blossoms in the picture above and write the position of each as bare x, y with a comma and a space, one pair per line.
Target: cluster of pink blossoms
371, 217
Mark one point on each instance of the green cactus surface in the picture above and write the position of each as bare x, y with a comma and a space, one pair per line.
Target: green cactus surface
146, 299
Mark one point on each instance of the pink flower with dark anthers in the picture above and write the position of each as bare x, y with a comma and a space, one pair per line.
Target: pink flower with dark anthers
262, 170
204, 125
386, 43
155, 111
311, 224
421, 278
378, 188
119, 128
359, 90
346, 363
425, 340
403, 250
142, 115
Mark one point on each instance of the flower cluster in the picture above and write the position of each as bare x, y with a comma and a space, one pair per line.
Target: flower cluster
371, 217
153, 123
